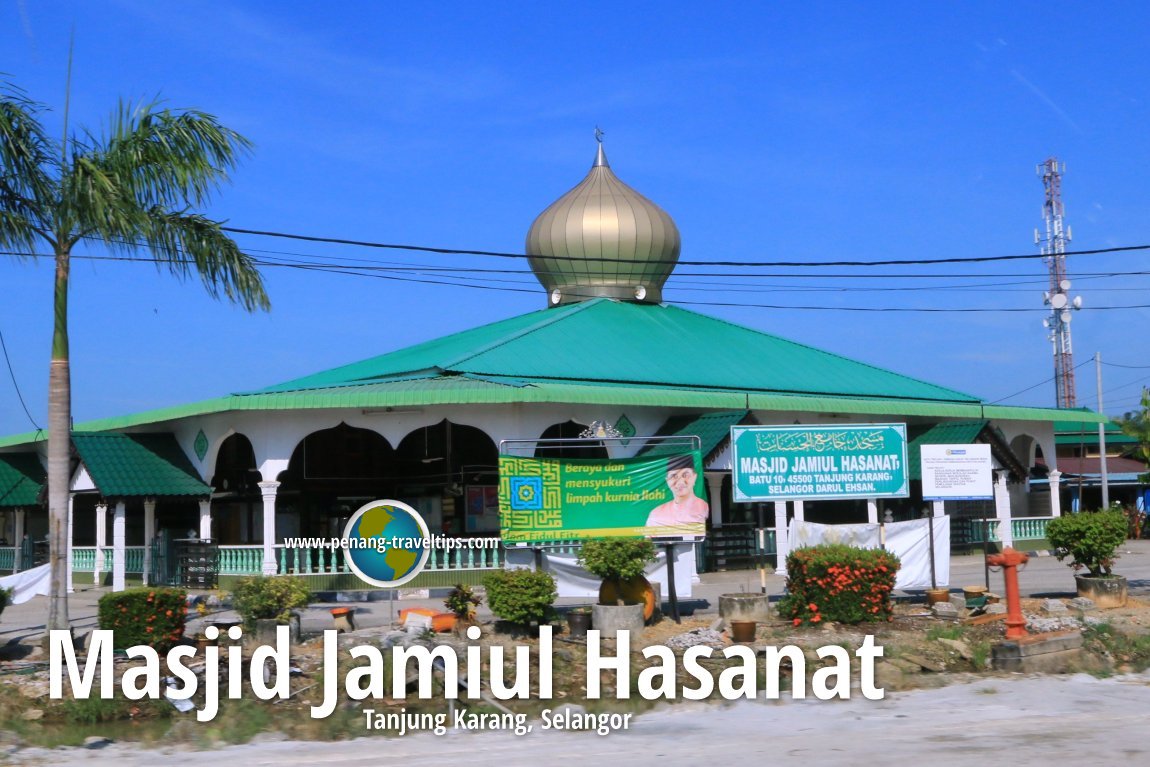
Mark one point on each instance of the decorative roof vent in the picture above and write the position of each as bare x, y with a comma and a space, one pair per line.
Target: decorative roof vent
605, 239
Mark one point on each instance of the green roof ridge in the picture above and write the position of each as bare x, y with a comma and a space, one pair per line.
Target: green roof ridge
550, 317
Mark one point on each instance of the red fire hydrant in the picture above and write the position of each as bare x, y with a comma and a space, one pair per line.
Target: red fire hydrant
1009, 560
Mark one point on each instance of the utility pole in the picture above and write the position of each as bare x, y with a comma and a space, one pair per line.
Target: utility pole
1054, 248
1102, 436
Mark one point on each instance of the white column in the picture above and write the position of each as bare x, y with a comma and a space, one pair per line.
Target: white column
782, 544
149, 534
938, 508
101, 542
1055, 493
715, 491
1002, 509
18, 538
71, 499
206, 518
119, 550
269, 493
800, 511
872, 511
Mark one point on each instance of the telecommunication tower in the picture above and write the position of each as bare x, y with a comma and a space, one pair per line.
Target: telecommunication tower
1057, 298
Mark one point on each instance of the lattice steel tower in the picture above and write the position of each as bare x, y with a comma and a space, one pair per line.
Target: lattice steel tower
1057, 298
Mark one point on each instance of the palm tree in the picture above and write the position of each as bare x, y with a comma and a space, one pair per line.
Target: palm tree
135, 190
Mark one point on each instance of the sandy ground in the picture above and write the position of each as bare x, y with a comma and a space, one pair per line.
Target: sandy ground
1024, 720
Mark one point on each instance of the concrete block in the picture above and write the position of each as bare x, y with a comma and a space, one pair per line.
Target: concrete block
945, 611
1041, 653
1053, 607
1082, 604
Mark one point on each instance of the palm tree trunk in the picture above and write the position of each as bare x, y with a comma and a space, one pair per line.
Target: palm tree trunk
59, 449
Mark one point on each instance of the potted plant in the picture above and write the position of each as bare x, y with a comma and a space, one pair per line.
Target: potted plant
578, 621
1091, 541
265, 602
461, 602
626, 598
521, 597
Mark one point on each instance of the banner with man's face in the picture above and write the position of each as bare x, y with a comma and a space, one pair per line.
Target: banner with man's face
551, 499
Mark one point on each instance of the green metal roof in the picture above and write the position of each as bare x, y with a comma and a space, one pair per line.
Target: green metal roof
22, 478
466, 390
960, 433
712, 429
952, 433
130, 465
605, 352
629, 343
1087, 434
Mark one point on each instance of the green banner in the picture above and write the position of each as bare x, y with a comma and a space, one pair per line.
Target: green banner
549, 499
779, 463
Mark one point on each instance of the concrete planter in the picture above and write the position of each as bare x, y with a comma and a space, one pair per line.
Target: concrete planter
744, 607
610, 619
265, 632
1105, 592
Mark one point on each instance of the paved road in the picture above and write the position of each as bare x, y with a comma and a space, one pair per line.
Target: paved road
1015, 720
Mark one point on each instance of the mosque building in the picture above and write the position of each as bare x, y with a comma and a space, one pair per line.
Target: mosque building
424, 424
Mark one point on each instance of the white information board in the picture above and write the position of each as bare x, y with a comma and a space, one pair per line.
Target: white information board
957, 472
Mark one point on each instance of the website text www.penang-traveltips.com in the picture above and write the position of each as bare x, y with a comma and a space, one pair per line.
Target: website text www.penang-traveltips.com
382, 543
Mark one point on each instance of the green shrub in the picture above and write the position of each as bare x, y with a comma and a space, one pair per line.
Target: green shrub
616, 559
1089, 538
520, 596
5, 598
838, 583
146, 616
462, 602
269, 597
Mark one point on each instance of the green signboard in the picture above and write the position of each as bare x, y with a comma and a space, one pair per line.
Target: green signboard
780, 463
550, 499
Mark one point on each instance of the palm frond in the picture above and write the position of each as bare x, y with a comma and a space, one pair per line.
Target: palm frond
28, 164
188, 242
170, 159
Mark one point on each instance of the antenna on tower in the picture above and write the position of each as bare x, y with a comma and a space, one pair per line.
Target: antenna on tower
1053, 245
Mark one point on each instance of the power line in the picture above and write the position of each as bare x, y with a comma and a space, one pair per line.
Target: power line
1128, 367
1035, 386
501, 254
445, 279
15, 384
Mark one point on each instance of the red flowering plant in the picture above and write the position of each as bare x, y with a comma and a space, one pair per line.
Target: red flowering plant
148, 616
839, 583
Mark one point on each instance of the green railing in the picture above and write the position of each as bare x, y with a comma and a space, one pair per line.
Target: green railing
241, 560
736, 546
248, 560
7, 557
84, 559
311, 561
465, 559
133, 559
1021, 529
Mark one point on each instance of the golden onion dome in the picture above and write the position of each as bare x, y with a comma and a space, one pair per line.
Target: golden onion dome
603, 238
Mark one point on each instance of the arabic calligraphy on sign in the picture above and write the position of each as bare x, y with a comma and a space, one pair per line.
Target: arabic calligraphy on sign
821, 441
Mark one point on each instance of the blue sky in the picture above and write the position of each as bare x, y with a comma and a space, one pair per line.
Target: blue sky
823, 132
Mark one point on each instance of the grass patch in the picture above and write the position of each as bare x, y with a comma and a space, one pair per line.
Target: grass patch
945, 632
980, 655
1126, 649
